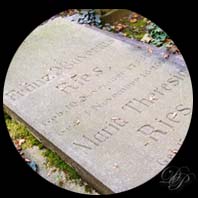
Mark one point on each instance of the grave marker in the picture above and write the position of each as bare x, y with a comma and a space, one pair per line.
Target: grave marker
112, 109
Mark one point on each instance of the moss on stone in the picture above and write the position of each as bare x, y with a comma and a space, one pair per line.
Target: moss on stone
18, 131
88, 189
54, 160
135, 30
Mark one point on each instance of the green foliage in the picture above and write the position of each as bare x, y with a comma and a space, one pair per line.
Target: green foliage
88, 189
19, 131
54, 160
134, 30
158, 35
89, 17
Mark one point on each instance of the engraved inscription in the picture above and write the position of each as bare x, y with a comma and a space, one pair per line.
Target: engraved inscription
111, 128
139, 104
163, 126
78, 80
23, 89
170, 154
109, 106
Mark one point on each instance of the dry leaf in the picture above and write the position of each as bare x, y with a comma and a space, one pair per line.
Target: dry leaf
124, 34
21, 141
133, 20
173, 49
27, 160
146, 38
135, 15
125, 26
165, 56
51, 171
149, 49
119, 27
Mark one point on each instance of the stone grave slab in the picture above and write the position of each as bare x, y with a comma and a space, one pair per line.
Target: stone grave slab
117, 111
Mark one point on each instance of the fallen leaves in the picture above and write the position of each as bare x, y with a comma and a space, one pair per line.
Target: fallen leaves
157, 34
18, 143
133, 20
69, 12
173, 49
131, 26
27, 160
149, 49
135, 15
72, 12
119, 27
21, 141
166, 56
52, 170
146, 38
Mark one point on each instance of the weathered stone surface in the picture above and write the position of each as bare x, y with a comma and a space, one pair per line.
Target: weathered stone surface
115, 111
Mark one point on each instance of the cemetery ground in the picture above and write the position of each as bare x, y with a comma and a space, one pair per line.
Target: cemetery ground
46, 162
